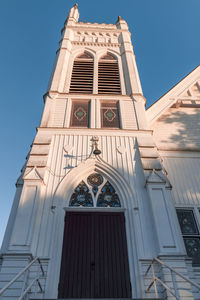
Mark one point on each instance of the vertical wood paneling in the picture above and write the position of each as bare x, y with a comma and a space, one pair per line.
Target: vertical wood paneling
184, 175
81, 149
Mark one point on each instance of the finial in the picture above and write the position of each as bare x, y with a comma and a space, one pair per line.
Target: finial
119, 18
75, 5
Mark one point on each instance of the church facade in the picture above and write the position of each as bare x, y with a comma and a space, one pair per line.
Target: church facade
107, 204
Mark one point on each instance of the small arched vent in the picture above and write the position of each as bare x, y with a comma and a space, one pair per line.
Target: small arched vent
108, 75
82, 74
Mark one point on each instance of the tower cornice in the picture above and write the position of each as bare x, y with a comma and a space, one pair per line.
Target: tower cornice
96, 28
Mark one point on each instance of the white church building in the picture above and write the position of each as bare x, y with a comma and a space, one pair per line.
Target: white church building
107, 204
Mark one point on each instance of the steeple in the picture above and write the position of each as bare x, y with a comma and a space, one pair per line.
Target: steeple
73, 15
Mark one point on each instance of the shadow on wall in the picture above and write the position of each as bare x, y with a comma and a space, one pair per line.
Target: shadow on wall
183, 128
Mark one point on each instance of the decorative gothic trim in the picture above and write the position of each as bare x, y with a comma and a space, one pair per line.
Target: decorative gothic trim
96, 44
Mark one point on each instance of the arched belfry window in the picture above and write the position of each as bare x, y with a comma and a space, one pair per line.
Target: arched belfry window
96, 191
82, 74
108, 75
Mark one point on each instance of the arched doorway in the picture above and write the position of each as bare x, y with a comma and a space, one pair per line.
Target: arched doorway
94, 256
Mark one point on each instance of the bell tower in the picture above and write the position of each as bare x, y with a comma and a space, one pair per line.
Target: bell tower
92, 191
96, 60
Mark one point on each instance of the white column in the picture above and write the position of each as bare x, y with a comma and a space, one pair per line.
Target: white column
166, 223
92, 113
98, 113
131, 75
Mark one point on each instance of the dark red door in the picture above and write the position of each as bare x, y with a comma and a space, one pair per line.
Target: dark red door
94, 256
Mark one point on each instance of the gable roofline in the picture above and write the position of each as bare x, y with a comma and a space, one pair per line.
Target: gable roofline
170, 97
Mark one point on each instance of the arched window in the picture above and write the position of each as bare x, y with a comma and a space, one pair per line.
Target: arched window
81, 196
82, 74
94, 190
108, 75
108, 197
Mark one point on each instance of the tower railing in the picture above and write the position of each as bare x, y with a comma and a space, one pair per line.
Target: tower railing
155, 280
25, 271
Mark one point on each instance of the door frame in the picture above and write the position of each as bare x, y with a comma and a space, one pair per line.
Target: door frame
60, 201
100, 210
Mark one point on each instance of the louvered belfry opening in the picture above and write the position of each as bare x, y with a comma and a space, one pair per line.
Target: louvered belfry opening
82, 74
108, 75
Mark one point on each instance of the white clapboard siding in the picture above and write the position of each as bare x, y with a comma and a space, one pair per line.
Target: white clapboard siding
184, 175
127, 109
194, 275
39, 149
11, 267
178, 128
59, 113
38, 161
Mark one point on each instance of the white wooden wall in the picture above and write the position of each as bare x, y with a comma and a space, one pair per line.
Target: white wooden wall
178, 128
184, 174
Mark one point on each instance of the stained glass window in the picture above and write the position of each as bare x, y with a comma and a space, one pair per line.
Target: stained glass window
190, 233
81, 196
95, 180
187, 222
192, 245
108, 197
109, 114
96, 189
79, 113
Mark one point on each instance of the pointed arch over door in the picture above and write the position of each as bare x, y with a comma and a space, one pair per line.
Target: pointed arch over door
94, 191
68, 184
61, 201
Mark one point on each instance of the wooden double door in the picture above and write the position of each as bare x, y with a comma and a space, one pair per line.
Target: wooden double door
94, 256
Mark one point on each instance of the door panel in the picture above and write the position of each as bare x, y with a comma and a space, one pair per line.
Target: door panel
94, 257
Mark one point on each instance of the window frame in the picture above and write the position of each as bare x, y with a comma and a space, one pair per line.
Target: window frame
88, 101
114, 61
95, 192
196, 214
96, 57
117, 102
74, 61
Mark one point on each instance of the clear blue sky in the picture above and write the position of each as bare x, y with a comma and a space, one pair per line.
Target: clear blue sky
165, 35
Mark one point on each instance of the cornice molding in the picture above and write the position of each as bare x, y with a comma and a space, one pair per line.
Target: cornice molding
95, 44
